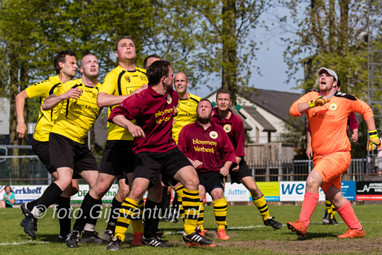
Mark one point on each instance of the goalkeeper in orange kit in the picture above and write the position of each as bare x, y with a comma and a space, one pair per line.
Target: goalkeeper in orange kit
327, 111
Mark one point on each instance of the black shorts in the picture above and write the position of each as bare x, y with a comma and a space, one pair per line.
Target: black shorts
41, 149
8, 205
150, 165
65, 152
118, 158
211, 180
243, 171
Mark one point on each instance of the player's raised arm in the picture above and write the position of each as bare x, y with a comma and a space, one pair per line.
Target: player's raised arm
53, 100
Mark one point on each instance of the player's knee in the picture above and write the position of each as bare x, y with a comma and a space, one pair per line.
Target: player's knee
99, 190
192, 183
217, 194
123, 191
137, 194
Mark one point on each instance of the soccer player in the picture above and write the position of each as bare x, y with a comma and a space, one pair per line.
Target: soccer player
65, 65
118, 157
68, 153
240, 173
156, 152
210, 151
327, 111
186, 115
330, 210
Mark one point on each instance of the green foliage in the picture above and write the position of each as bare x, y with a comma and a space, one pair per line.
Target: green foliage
327, 34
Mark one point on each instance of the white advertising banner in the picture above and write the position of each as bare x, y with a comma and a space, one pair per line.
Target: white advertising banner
294, 191
28, 192
234, 193
84, 189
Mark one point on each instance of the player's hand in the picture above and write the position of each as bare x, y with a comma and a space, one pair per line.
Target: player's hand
236, 168
309, 152
354, 137
224, 171
72, 93
21, 129
374, 141
319, 101
136, 131
196, 163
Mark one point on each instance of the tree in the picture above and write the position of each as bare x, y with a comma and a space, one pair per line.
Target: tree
211, 38
327, 34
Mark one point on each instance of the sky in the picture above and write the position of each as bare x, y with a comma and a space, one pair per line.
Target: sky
269, 60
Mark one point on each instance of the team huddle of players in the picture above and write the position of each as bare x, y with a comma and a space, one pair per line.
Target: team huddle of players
158, 136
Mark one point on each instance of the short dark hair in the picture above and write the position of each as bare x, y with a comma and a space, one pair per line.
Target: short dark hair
204, 99
147, 58
61, 57
223, 91
123, 37
157, 70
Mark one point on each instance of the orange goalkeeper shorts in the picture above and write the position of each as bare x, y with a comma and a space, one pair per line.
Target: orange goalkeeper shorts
331, 167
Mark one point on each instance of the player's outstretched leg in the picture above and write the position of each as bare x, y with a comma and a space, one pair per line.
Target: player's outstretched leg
298, 227
190, 203
269, 220
220, 211
29, 223
308, 206
355, 228
127, 212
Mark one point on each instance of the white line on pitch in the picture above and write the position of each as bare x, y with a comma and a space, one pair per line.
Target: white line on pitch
25, 242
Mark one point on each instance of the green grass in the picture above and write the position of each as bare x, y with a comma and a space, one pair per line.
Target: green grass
246, 229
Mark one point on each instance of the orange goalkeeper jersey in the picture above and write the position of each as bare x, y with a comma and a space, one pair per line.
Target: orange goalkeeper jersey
328, 122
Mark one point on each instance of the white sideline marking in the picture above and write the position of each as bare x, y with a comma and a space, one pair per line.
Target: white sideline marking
24, 242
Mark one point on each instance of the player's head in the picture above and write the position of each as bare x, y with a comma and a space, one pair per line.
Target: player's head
223, 99
161, 72
125, 49
89, 66
66, 62
7, 189
150, 59
328, 79
204, 111
181, 83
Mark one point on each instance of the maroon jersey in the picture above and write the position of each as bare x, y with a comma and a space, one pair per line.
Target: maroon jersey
154, 114
212, 146
234, 127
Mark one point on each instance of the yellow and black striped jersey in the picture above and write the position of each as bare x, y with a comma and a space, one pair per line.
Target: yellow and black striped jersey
122, 82
46, 118
186, 114
77, 116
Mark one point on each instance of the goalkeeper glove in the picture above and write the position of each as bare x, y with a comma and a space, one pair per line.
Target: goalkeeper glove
374, 141
321, 100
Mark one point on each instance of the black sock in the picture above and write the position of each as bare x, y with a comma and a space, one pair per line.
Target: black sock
50, 195
114, 213
174, 208
86, 209
151, 215
63, 214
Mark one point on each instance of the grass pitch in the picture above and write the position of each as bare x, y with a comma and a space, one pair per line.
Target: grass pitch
245, 227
